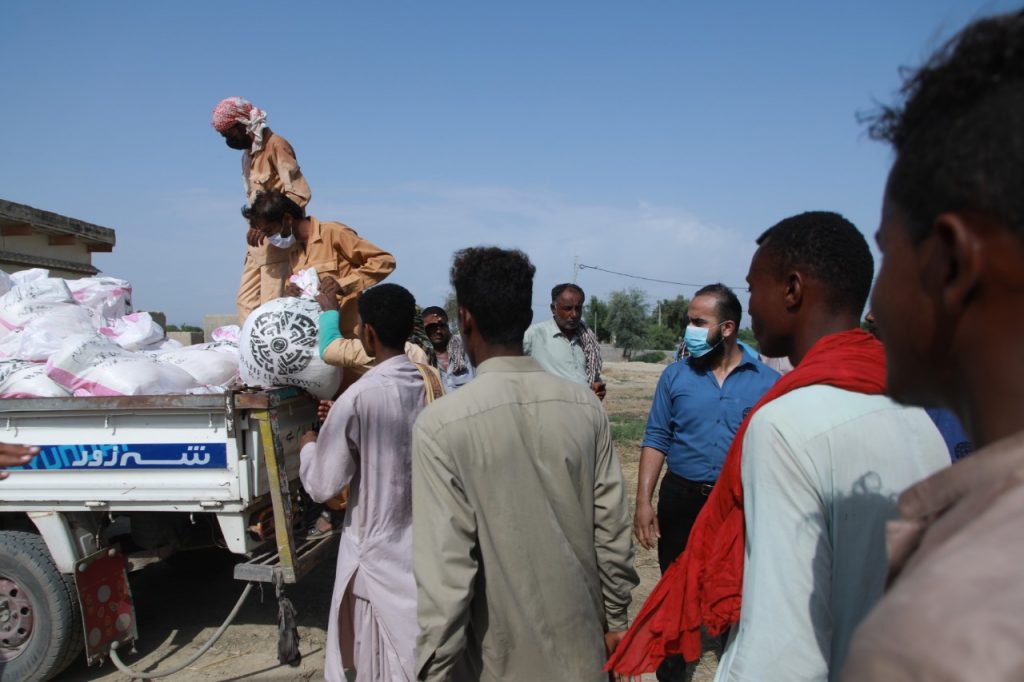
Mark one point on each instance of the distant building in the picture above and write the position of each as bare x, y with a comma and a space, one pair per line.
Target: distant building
33, 238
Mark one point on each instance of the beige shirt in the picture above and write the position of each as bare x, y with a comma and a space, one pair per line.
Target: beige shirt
265, 268
522, 545
274, 168
955, 610
333, 249
350, 355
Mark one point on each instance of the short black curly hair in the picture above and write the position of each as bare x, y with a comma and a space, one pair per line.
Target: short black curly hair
496, 287
828, 247
390, 309
959, 134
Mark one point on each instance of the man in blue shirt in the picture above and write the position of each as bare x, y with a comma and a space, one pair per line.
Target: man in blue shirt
698, 406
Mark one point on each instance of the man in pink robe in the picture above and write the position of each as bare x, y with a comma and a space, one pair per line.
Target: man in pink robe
365, 443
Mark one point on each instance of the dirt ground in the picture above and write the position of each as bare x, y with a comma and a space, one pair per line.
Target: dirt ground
181, 603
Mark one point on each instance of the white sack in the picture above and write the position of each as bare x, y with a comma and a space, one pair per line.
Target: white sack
44, 334
31, 275
280, 347
6, 283
134, 331
25, 301
27, 380
109, 297
208, 366
92, 365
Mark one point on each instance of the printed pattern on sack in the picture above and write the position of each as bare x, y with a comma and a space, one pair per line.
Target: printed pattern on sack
281, 342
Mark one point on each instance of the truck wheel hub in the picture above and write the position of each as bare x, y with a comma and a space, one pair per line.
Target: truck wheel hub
15, 619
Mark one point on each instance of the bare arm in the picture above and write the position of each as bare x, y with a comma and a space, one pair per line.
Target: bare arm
645, 521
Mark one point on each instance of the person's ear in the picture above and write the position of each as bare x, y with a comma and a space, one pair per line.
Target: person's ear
952, 260
467, 325
372, 341
794, 289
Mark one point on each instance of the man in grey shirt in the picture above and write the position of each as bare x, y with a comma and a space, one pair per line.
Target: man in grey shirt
521, 535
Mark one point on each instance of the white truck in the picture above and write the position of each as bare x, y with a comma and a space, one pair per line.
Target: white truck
123, 482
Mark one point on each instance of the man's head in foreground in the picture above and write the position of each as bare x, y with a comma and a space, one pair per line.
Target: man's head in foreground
435, 324
712, 322
950, 291
809, 277
494, 289
386, 314
567, 307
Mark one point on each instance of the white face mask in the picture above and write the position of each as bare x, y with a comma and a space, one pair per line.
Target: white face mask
280, 242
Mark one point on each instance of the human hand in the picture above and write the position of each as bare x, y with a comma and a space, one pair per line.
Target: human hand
599, 389
292, 289
611, 642
329, 292
323, 408
15, 456
254, 237
307, 438
645, 525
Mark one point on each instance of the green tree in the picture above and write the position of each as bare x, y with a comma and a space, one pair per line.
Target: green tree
451, 306
671, 312
595, 312
627, 314
660, 337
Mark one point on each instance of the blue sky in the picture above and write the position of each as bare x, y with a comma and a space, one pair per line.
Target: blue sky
657, 138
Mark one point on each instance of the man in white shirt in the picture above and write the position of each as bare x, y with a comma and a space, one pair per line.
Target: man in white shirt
821, 465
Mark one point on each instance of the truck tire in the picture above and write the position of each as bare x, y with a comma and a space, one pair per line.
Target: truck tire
41, 625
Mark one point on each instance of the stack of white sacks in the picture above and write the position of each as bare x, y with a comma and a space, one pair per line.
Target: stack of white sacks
80, 337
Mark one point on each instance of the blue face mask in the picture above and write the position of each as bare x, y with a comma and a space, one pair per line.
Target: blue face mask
696, 340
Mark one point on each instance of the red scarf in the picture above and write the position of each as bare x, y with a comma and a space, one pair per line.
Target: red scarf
704, 585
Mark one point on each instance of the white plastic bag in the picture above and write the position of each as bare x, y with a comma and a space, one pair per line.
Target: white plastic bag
110, 297
25, 301
92, 365
307, 281
44, 334
230, 333
280, 347
27, 380
134, 331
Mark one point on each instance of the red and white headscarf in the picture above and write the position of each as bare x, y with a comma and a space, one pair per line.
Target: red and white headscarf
237, 110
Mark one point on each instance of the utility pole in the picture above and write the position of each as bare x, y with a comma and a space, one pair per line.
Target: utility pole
575, 268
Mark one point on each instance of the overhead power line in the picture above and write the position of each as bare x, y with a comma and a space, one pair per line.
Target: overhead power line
581, 266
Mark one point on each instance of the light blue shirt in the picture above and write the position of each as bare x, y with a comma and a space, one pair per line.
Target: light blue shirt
821, 471
555, 352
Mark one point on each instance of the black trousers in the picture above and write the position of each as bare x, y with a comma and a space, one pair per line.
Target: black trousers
679, 502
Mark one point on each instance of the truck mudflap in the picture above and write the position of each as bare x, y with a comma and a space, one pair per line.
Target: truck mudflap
108, 613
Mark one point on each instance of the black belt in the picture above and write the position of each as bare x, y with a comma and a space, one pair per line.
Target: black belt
698, 487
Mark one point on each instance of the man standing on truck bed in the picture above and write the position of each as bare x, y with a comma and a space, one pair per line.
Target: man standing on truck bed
268, 163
